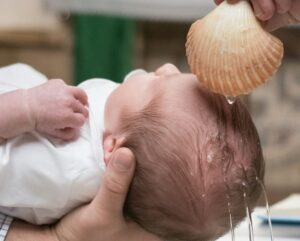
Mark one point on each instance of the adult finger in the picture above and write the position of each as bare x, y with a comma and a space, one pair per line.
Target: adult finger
116, 181
80, 95
280, 20
283, 6
264, 9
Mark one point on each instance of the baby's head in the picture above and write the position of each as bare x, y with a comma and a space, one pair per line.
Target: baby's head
197, 156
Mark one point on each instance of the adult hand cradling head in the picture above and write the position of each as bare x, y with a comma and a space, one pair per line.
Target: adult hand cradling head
100, 220
275, 13
103, 218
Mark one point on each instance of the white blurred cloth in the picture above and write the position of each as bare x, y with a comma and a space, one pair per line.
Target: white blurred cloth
42, 178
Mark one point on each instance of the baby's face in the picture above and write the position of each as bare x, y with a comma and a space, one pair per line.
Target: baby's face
140, 88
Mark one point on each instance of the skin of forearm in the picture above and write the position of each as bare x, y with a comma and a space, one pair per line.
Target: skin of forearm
15, 117
21, 231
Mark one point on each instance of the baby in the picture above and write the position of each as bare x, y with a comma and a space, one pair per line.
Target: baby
198, 158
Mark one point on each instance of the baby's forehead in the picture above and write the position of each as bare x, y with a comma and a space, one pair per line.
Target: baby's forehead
182, 93
180, 89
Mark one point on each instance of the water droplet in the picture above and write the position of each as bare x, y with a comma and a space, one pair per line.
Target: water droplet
249, 217
230, 220
229, 210
231, 100
267, 207
210, 157
203, 195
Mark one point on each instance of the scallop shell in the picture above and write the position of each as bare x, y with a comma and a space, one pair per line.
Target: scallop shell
230, 52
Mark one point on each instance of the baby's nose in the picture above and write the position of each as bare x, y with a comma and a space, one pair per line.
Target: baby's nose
167, 69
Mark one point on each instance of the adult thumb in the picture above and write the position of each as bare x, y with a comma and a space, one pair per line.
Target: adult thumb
116, 181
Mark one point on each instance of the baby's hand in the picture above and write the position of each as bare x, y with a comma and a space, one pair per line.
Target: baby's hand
57, 109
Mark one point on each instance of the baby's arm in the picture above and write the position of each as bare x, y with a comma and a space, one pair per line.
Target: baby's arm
14, 118
52, 108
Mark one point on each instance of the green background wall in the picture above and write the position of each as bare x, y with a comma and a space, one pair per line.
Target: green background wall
103, 47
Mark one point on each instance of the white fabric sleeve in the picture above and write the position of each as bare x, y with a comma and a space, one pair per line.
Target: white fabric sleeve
19, 76
12, 77
5, 222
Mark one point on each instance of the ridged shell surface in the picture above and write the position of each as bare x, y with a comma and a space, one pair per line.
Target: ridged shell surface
230, 52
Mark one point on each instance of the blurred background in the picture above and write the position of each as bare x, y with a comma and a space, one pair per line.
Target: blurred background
80, 39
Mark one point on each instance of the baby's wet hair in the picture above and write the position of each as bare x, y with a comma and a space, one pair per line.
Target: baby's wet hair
190, 168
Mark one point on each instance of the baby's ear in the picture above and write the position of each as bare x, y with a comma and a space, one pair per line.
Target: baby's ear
110, 144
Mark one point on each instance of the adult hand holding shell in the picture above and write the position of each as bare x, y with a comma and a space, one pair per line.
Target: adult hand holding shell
275, 13
230, 51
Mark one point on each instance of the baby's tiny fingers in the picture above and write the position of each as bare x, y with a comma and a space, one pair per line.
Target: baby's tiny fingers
76, 120
80, 95
66, 134
78, 107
